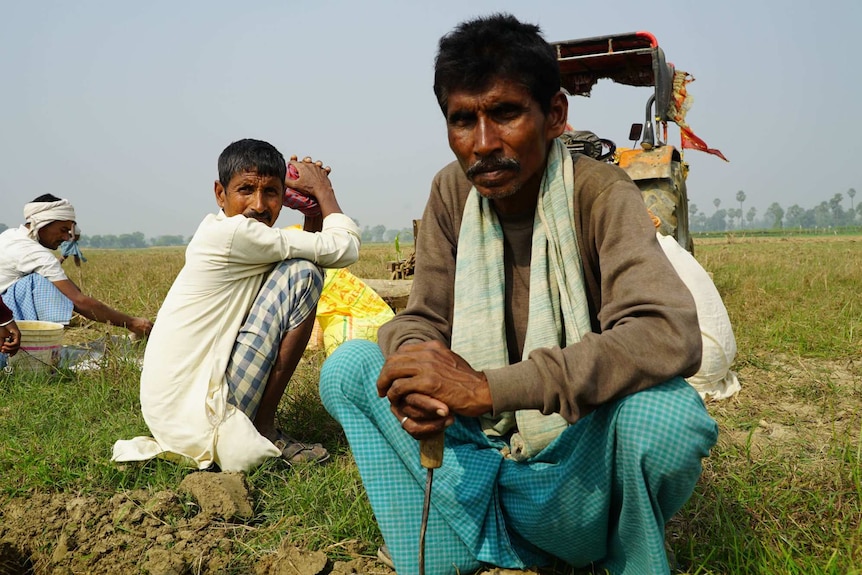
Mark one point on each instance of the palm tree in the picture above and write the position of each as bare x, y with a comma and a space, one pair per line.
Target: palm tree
740, 197
716, 202
852, 193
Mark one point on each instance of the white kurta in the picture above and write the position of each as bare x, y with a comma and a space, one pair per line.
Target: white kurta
21, 255
183, 385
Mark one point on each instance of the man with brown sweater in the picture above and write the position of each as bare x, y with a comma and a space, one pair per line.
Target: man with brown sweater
546, 333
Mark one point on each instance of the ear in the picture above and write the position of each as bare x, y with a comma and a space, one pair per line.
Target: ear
219, 194
557, 116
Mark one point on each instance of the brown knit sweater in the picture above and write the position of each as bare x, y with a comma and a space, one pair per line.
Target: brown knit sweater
644, 322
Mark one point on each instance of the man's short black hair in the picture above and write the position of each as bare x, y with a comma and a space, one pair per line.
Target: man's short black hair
45, 198
250, 155
479, 51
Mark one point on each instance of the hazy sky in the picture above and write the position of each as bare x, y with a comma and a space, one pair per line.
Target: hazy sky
123, 107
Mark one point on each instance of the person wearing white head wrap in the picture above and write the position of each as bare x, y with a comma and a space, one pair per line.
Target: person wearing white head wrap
32, 281
37, 215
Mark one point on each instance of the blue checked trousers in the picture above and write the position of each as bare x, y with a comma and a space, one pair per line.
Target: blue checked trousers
33, 297
601, 493
289, 295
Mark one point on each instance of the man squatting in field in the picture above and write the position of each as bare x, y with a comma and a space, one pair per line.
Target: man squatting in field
237, 318
32, 281
546, 333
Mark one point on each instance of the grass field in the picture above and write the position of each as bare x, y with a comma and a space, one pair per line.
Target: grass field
779, 494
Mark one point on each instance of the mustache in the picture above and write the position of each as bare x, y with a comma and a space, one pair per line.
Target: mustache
492, 164
260, 216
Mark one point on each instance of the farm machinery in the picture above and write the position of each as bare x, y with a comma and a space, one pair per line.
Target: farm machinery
658, 169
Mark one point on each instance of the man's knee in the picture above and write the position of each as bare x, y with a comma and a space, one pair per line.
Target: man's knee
346, 373
34, 297
298, 272
667, 425
294, 288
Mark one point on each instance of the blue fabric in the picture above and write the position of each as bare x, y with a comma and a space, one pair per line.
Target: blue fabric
600, 493
289, 295
70, 248
34, 297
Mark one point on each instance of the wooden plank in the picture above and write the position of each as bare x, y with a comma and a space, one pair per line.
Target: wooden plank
393, 292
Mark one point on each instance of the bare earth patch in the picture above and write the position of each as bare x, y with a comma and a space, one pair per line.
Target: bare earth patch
192, 530
787, 406
794, 404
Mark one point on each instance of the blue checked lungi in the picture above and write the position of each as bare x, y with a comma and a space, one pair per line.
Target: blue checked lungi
289, 295
600, 493
33, 297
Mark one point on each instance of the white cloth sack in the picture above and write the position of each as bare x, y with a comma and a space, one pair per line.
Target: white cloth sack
714, 380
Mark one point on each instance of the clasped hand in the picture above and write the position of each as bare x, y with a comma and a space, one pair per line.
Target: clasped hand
428, 384
313, 179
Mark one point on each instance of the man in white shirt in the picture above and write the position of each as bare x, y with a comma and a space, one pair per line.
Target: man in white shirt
237, 319
32, 281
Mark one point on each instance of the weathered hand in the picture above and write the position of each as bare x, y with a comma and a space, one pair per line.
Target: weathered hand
10, 339
314, 181
140, 326
308, 160
428, 383
294, 200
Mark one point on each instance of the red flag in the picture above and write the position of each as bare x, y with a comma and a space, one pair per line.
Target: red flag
691, 141
679, 105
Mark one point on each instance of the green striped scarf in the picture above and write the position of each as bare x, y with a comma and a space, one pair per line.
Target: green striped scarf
558, 305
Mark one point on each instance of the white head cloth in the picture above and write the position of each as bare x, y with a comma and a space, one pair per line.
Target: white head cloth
40, 214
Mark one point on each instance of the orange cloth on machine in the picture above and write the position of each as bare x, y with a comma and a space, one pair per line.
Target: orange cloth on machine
678, 108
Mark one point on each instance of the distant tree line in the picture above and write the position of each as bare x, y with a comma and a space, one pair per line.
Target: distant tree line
130, 241
379, 234
375, 234
125, 241
826, 214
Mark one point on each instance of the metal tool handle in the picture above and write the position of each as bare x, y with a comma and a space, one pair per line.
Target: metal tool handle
431, 451
431, 457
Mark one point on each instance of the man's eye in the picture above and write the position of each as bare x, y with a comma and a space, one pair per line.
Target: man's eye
461, 120
507, 114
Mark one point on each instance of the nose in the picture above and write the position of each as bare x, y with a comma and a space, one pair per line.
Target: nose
257, 202
487, 137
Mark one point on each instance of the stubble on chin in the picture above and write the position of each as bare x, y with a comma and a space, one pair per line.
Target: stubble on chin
498, 193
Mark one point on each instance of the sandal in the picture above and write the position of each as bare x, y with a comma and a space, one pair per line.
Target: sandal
293, 451
384, 557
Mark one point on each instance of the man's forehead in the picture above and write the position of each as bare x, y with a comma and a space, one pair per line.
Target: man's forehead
251, 175
498, 90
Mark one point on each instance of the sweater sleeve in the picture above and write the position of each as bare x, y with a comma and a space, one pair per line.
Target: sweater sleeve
429, 308
646, 317
335, 246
